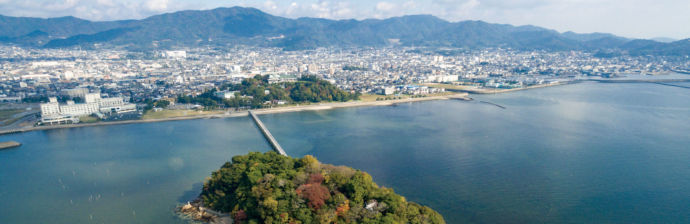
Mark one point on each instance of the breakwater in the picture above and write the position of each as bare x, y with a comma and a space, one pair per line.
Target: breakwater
11, 131
663, 82
668, 84
636, 80
490, 103
10, 144
687, 72
269, 137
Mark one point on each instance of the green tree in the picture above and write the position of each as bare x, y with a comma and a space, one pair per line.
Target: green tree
162, 103
270, 188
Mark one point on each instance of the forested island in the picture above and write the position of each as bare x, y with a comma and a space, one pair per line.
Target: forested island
258, 92
270, 188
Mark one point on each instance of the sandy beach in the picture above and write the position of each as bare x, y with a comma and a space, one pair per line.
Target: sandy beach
462, 94
229, 114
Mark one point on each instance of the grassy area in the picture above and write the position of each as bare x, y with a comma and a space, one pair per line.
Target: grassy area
373, 97
369, 97
8, 114
88, 119
178, 113
449, 86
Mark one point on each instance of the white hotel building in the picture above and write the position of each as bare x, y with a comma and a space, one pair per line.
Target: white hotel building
54, 113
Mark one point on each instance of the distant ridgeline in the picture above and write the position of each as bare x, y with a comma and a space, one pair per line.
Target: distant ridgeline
270, 188
259, 92
252, 27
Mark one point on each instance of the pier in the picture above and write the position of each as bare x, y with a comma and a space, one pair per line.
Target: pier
10, 144
687, 72
673, 85
269, 137
490, 103
663, 82
636, 80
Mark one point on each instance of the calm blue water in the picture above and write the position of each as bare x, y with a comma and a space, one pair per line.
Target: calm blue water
116, 174
585, 153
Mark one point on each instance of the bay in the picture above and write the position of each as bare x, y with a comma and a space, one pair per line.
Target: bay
582, 153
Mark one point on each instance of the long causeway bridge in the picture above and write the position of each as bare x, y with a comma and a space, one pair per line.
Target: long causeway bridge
269, 137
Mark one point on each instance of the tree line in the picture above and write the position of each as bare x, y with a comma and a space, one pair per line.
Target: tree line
270, 188
258, 92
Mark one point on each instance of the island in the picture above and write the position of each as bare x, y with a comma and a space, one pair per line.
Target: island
270, 188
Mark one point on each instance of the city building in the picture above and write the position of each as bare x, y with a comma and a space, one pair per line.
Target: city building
175, 54
54, 113
77, 92
386, 91
225, 94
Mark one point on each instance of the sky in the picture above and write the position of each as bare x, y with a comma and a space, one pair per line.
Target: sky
628, 18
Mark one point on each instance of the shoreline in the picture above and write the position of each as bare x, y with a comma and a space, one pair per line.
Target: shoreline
336, 105
276, 110
484, 91
459, 95
195, 211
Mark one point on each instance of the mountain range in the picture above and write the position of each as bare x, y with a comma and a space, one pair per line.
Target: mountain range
249, 26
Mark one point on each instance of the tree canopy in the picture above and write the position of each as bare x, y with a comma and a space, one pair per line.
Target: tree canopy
270, 188
255, 92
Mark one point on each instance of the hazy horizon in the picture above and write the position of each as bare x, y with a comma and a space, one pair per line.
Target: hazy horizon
631, 19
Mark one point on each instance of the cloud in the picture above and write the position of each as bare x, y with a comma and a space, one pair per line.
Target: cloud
89, 9
64, 5
455, 10
331, 9
385, 6
157, 5
108, 3
270, 5
386, 9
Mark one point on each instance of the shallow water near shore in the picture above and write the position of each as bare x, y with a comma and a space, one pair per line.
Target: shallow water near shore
582, 153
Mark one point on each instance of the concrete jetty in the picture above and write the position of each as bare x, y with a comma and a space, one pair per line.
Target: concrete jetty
267, 134
10, 144
636, 80
490, 103
673, 85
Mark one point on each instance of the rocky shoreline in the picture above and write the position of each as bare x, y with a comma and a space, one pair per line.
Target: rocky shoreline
196, 211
